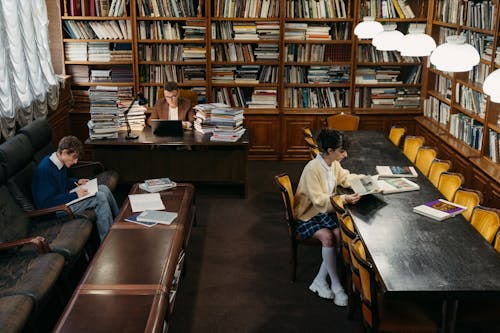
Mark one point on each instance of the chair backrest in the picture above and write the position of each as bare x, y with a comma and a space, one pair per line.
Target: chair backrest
343, 122
468, 198
39, 133
307, 132
436, 169
449, 183
496, 245
396, 134
312, 146
424, 158
285, 186
486, 221
411, 145
338, 205
347, 235
369, 305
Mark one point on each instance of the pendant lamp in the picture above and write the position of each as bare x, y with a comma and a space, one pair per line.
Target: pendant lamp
491, 86
389, 39
455, 55
368, 28
416, 43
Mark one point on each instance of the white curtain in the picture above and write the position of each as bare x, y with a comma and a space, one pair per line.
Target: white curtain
28, 85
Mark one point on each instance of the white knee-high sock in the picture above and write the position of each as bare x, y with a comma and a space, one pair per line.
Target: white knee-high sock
330, 262
322, 273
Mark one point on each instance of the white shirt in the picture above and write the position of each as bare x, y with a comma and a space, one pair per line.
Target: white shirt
330, 177
173, 113
56, 161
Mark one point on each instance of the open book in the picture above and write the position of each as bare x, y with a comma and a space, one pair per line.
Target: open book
90, 186
439, 209
396, 171
365, 185
395, 185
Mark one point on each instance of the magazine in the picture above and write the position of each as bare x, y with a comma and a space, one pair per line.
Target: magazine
439, 209
365, 185
396, 171
395, 185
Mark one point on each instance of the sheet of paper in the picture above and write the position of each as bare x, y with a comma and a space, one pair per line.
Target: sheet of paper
146, 201
91, 187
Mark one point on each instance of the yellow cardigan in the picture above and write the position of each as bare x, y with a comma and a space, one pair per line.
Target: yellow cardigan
312, 195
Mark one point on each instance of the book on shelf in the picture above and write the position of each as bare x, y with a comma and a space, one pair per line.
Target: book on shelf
157, 216
396, 185
365, 185
396, 171
439, 209
133, 219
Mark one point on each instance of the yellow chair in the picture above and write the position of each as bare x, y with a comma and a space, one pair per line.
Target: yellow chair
313, 147
285, 186
390, 315
307, 132
396, 134
437, 168
424, 158
468, 198
449, 183
411, 145
338, 204
343, 122
496, 245
486, 221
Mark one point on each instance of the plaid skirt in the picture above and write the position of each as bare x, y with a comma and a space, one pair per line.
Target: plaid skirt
306, 229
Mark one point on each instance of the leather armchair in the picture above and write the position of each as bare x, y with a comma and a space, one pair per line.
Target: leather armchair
16, 310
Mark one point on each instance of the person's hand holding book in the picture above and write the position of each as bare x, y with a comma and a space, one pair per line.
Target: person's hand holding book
352, 198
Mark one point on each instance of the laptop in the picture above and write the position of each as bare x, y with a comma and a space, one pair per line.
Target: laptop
167, 127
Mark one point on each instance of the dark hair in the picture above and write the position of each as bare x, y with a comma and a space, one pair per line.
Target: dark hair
330, 138
170, 86
72, 145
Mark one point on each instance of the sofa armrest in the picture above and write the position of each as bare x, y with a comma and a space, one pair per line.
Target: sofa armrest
50, 210
38, 241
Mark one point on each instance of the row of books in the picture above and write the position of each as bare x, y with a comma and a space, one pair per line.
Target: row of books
466, 129
264, 30
168, 8
386, 9
317, 52
246, 97
387, 97
494, 146
316, 98
246, 8
307, 31
97, 51
96, 7
316, 9
249, 74
442, 85
477, 14
120, 29
317, 74
374, 75
437, 110
190, 30
164, 73
479, 73
160, 52
471, 100
368, 53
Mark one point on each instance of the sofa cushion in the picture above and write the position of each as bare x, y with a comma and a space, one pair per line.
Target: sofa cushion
14, 223
40, 135
16, 310
15, 154
19, 185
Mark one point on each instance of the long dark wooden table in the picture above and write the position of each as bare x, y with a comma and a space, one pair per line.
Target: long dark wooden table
416, 256
191, 158
126, 286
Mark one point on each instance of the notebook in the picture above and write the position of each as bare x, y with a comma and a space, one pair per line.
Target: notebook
167, 127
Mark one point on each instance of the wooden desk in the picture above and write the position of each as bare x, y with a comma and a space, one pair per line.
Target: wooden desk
416, 256
126, 286
192, 158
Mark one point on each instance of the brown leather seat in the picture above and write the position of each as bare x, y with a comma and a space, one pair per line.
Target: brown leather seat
16, 310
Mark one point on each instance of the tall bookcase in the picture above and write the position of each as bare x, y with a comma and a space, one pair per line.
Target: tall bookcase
458, 117
294, 62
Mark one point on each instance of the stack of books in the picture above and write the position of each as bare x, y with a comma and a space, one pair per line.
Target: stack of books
157, 185
264, 98
136, 115
227, 124
103, 123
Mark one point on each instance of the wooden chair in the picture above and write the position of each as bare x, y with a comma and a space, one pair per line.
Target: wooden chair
285, 186
496, 245
424, 158
307, 132
449, 183
396, 134
411, 145
343, 122
437, 168
486, 221
468, 198
389, 315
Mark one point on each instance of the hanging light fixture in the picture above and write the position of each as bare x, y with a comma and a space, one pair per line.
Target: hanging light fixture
389, 39
455, 55
368, 28
416, 43
491, 86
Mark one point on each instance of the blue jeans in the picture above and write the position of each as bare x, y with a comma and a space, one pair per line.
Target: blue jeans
105, 207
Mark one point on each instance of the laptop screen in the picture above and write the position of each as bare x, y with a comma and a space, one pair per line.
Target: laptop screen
167, 127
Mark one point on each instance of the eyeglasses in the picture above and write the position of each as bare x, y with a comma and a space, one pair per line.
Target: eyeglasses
171, 97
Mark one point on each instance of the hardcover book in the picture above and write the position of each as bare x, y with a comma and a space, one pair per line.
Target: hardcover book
396, 171
133, 219
395, 185
439, 209
157, 216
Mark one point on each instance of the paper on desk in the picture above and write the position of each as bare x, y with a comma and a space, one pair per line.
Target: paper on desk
146, 201
90, 186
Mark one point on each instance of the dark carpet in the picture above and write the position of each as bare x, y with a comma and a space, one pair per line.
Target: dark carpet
237, 268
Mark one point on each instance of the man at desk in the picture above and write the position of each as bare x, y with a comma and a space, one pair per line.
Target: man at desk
173, 107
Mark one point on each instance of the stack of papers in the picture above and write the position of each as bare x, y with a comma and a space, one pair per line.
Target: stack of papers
146, 201
157, 184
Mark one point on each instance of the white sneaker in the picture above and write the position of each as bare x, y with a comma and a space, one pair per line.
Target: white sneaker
322, 289
341, 298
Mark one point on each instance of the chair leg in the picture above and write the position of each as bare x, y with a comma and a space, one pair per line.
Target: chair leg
293, 261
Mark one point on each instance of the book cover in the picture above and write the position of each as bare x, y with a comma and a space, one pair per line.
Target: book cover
396, 171
133, 219
364, 185
395, 185
157, 216
439, 209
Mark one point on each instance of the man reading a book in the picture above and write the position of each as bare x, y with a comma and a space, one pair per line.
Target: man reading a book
51, 186
173, 107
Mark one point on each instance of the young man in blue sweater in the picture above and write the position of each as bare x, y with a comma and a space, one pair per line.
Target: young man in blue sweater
51, 185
